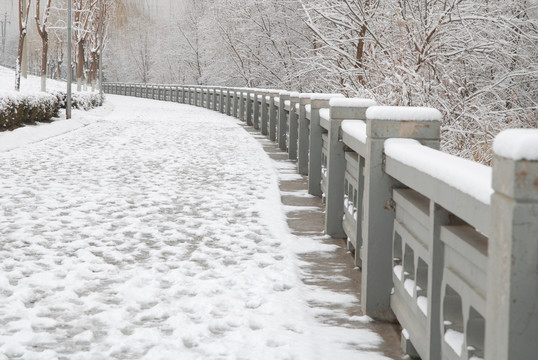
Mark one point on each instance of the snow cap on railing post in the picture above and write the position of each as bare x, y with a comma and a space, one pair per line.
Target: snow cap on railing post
383, 122
512, 298
339, 109
315, 143
421, 123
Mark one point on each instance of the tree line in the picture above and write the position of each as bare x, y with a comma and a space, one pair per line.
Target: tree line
42, 25
475, 60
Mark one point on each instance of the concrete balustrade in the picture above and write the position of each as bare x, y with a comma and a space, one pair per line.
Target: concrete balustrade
447, 247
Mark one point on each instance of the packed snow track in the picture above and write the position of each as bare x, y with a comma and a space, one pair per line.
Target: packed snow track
154, 232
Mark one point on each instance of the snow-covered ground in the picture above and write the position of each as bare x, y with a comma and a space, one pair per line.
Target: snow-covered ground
30, 84
153, 231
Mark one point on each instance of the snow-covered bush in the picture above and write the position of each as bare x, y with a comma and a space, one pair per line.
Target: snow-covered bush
18, 109
79, 100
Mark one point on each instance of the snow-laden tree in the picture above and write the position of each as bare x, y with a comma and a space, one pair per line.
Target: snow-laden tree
474, 60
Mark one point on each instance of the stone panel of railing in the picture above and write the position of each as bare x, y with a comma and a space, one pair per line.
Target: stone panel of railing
448, 247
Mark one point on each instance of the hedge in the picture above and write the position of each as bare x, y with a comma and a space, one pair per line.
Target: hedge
19, 109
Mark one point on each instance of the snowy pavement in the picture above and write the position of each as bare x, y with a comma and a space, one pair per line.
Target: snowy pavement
155, 231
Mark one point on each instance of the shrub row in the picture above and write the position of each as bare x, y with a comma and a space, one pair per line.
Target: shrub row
83, 101
18, 109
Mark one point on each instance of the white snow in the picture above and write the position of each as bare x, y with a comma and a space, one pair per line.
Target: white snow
455, 340
30, 84
467, 176
517, 144
409, 285
351, 102
322, 96
294, 94
422, 302
355, 128
403, 113
154, 230
325, 113
398, 271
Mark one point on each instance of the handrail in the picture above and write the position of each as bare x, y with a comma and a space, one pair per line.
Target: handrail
446, 245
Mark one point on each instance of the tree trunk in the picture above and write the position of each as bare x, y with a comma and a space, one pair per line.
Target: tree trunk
19, 61
80, 65
44, 54
360, 53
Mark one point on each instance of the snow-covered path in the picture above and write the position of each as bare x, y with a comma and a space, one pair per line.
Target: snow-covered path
154, 233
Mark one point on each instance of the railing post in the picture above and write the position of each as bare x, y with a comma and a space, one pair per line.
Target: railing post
304, 132
236, 103
318, 101
273, 115
512, 299
383, 123
215, 104
241, 105
340, 109
228, 102
221, 100
294, 126
208, 98
282, 120
249, 92
256, 111
264, 113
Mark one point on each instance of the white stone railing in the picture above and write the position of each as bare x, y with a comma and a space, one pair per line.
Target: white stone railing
448, 247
